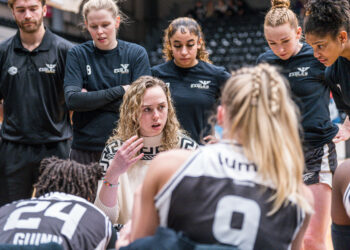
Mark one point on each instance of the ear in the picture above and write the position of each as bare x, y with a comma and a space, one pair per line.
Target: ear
200, 42
343, 36
299, 32
44, 10
220, 115
117, 22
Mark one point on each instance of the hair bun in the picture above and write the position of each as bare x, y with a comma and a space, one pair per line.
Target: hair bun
280, 4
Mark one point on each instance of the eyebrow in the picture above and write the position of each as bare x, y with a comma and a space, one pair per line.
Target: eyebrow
318, 42
31, 6
283, 39
177, 41
151, 104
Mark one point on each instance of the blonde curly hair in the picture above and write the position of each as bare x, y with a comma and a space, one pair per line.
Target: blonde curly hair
194, 28
130, 113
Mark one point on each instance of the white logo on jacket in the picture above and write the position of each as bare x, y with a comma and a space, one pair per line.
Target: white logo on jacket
49, 69
123, 70
201, 84
302, 72
88, 70
12, 70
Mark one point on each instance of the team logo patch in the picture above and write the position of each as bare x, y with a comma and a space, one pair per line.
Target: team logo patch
302, 71
123, 70
88, 70
49, 69
201, 85
12, 70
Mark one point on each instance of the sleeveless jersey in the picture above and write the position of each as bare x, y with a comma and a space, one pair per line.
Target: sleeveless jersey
216, 197
66, 219
346, 200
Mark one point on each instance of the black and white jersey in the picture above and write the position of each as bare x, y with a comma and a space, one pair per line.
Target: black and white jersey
217, 197
66, 219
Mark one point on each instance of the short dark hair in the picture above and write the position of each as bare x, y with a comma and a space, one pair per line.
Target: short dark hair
71, 177
11, 2
325, 17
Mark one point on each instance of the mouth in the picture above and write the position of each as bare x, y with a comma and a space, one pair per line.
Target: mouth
156, 126
101, 39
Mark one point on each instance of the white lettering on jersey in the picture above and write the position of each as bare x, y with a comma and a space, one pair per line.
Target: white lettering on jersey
201, 84
49, 69
123, 70
35, 238
88, 70
302, 72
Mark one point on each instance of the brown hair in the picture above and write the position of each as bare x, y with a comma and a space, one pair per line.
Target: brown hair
10, 3
194, 28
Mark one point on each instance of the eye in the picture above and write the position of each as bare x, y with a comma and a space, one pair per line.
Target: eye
285, 41
105, 25
161, 107
271, 43
320, 46
177, 46
190, 45
146, 110
93, 27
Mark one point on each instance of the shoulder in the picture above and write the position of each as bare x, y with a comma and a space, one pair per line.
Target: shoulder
186, 142
113, 146
131, 47
60, 42
266, 56
160, 69
86, 47
4, 45
211, 67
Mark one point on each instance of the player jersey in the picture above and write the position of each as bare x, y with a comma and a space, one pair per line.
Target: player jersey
338, 78
310, 92
346, 200
194, 91
216, 197
31, 84
96, 70
66, 219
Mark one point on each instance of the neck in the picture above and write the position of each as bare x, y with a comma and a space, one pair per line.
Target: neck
298, 48
346, 51
31, 41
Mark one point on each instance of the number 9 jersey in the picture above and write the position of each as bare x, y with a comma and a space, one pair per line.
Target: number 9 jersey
68, 220
217, 197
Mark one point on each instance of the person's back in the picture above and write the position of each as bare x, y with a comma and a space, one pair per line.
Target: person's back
229, 203
66, 219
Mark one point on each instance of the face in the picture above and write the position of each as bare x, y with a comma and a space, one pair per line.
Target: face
28, 15
103, 28
326, 49
283, 40
154, 112
184, 46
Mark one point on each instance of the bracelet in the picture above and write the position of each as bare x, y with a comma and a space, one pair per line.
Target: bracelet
108, 184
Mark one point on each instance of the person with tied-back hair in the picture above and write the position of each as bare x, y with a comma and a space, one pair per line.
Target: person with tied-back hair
194, 82
312, 95
61, 211
327, 29
147, 126
97, 74
245, 191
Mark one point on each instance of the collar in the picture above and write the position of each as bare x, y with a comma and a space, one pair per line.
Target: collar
152, 141
44, 45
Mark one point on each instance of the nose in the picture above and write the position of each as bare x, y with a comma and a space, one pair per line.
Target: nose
184, 50
27, 14
281, 49
99, 30
316, 54
155, 115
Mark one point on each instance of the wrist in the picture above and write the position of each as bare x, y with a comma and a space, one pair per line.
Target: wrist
109, 184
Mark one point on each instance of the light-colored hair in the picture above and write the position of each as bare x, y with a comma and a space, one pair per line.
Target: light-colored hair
280, 14
193, 27
264, 119
10, 3
110, 5
130, 113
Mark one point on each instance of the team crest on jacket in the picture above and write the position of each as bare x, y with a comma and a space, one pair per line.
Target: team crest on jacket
201, 84
49, 69
302, 71
123, 70
12, 70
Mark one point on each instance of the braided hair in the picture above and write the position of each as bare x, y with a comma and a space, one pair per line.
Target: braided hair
58, 175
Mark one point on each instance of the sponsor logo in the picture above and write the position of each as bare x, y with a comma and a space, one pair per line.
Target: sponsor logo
167, 84
12, 70
201, 85
302, 72
49, 69
123, 70
308, 176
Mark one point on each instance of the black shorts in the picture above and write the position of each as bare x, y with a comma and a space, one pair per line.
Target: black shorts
320, 164
85, 157
341, 237
19, 166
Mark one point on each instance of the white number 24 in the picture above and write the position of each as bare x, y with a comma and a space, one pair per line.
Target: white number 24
71, 219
